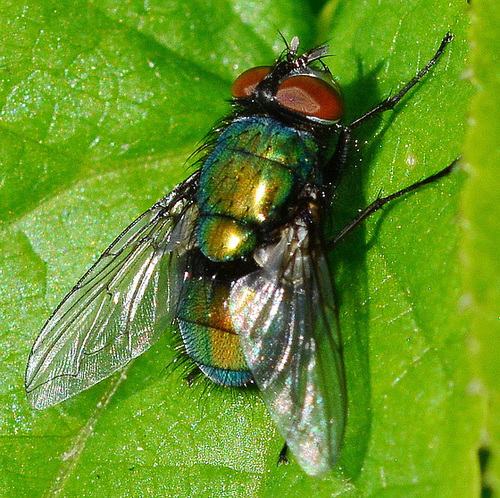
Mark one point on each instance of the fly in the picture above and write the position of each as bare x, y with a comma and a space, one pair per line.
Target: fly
236, 256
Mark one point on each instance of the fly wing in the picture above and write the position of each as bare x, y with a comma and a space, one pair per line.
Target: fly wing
285, 317
118, 309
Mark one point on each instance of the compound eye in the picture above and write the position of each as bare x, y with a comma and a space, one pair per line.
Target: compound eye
245, 83
311, 96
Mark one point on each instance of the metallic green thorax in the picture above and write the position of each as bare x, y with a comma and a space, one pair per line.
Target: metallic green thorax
256, 168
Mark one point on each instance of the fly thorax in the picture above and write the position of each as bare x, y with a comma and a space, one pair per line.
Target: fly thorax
248, 182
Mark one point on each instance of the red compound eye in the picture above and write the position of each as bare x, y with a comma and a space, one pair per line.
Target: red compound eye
311, 96
245, 83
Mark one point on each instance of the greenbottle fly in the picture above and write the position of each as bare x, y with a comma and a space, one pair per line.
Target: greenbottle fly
235, 257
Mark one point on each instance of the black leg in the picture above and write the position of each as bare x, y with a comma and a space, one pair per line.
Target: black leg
381, 201
390, 102
283, 459
192, 376
340, 157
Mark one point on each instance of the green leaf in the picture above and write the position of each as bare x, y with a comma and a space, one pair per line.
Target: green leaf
481, 233
101, 105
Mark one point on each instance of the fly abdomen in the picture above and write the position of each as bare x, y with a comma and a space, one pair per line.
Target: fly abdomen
207, 331
255, 170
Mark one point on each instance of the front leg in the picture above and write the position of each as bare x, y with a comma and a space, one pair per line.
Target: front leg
390, 102
339, 158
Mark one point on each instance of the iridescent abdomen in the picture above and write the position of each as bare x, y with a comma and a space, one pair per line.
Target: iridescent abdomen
256, 169
207, 331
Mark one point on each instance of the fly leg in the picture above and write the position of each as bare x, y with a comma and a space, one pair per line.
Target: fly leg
381, 201
340, 157
390, 102
283, 459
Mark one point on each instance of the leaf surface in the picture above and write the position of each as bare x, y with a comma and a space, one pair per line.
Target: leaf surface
101, 104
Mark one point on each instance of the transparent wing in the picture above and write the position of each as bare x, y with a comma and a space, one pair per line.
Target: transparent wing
118, 309
284, 314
